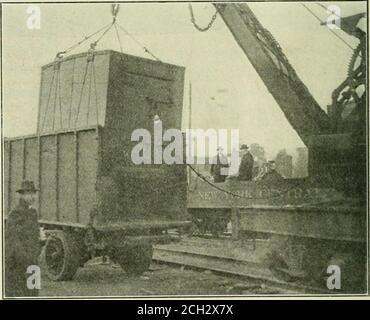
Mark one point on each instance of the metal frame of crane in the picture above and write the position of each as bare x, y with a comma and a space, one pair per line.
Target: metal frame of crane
337, 161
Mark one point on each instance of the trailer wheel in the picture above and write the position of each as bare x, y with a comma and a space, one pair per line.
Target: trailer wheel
61, 256
134, 259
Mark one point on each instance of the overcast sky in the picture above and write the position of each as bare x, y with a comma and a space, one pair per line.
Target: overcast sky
227, 92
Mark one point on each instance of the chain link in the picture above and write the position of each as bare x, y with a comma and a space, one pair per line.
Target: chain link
199, 28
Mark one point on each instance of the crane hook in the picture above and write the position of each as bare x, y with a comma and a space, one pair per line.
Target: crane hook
114, 10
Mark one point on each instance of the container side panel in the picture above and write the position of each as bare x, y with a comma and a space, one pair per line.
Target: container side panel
177, 97
98, 89
32, 163
47, 93
16, 172
152, 68
67, 178
48, 195
145, 193
82, 92
138, 91
89, 91
6, 184
73, 93
155, 89
63, 96
87, 171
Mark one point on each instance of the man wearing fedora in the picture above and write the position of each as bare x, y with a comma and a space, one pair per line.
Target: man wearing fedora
22, 245
219, 161
246, 164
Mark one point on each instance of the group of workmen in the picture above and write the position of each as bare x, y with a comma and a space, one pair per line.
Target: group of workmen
220, 164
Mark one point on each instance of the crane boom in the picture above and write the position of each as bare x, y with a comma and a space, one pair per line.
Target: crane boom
300, 108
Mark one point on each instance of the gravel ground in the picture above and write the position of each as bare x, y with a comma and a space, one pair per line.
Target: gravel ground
97, 279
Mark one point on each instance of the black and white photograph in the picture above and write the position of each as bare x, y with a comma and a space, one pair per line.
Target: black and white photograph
174, 149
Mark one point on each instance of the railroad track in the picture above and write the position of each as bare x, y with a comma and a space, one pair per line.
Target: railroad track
252, 271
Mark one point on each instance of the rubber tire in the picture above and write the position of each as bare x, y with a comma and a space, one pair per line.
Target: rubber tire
134, 259
71, 255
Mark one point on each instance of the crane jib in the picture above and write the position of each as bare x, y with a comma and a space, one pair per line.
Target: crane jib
300, 108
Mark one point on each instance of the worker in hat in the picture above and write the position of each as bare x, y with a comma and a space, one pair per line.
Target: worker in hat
271, 165
22, 246
271, 175
246, 164
218, 162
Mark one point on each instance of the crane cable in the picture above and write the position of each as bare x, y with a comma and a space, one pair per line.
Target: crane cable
59, 56
138, 43
105, 30
322, 22
42, 124
90, 61
103, 34
118, 38
61, 53
81, 92
115, 10
280, 194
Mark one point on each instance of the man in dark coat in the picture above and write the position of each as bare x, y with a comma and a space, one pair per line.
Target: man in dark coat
272, 175
22, 245
246, 164
219, 162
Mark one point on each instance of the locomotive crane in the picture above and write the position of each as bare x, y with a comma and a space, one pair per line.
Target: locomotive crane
314, 221
300, 108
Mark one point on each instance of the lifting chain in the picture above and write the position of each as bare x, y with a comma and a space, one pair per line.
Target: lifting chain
199, 28
272, 47
266, 39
